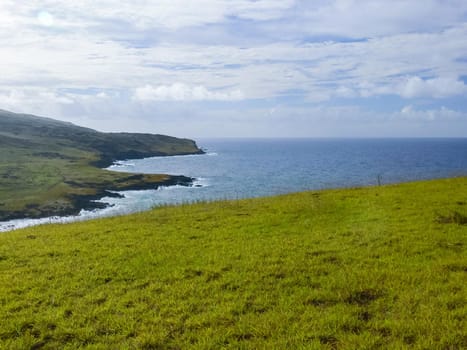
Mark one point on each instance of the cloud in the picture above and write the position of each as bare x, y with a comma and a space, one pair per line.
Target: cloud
259, 54
438, 87
94, 57
183, 92
64, 105
376, 18
342, 18
38, 101
408, 88
143, 15
15, 97
440, 114
45, 18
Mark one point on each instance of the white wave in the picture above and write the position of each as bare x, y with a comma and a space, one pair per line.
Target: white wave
23, 223
120, 164
201, 182
171, 188
176, 156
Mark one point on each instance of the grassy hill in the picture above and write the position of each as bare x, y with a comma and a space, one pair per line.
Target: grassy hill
49, 167
367, 268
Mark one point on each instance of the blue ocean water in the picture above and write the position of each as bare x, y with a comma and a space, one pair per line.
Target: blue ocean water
241, 168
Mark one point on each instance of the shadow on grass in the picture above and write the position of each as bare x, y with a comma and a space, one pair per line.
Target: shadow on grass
452, 218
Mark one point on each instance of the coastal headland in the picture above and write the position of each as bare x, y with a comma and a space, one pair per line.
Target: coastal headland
54, 168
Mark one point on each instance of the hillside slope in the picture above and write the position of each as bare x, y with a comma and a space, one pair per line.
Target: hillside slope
369, 268
49, 167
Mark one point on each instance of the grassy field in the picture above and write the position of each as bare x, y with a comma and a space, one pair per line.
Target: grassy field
368, 268
48, 167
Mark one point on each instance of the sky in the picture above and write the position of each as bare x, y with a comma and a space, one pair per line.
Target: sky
240, 68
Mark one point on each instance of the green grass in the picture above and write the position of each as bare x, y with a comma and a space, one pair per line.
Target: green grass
369, 268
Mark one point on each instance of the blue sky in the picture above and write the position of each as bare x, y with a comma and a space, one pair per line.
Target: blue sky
240, 68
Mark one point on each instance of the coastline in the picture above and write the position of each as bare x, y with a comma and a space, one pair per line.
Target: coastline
78, 202
89, 203
74, 203
53, 168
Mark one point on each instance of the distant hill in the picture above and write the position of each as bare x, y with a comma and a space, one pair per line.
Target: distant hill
25, 129
50, 167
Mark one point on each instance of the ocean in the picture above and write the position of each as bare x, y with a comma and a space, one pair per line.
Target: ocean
244, 168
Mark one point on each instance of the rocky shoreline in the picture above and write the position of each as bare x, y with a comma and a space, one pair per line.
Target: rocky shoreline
88, 202
77, 202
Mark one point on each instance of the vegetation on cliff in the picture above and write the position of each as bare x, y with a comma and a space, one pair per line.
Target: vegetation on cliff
49, 167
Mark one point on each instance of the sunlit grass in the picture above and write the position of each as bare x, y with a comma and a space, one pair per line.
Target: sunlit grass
379, 267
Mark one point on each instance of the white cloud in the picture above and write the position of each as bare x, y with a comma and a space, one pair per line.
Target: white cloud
45, 18
39, 101
408, 88
323, 70
32, 97
183, 92
439, 114
437, 87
